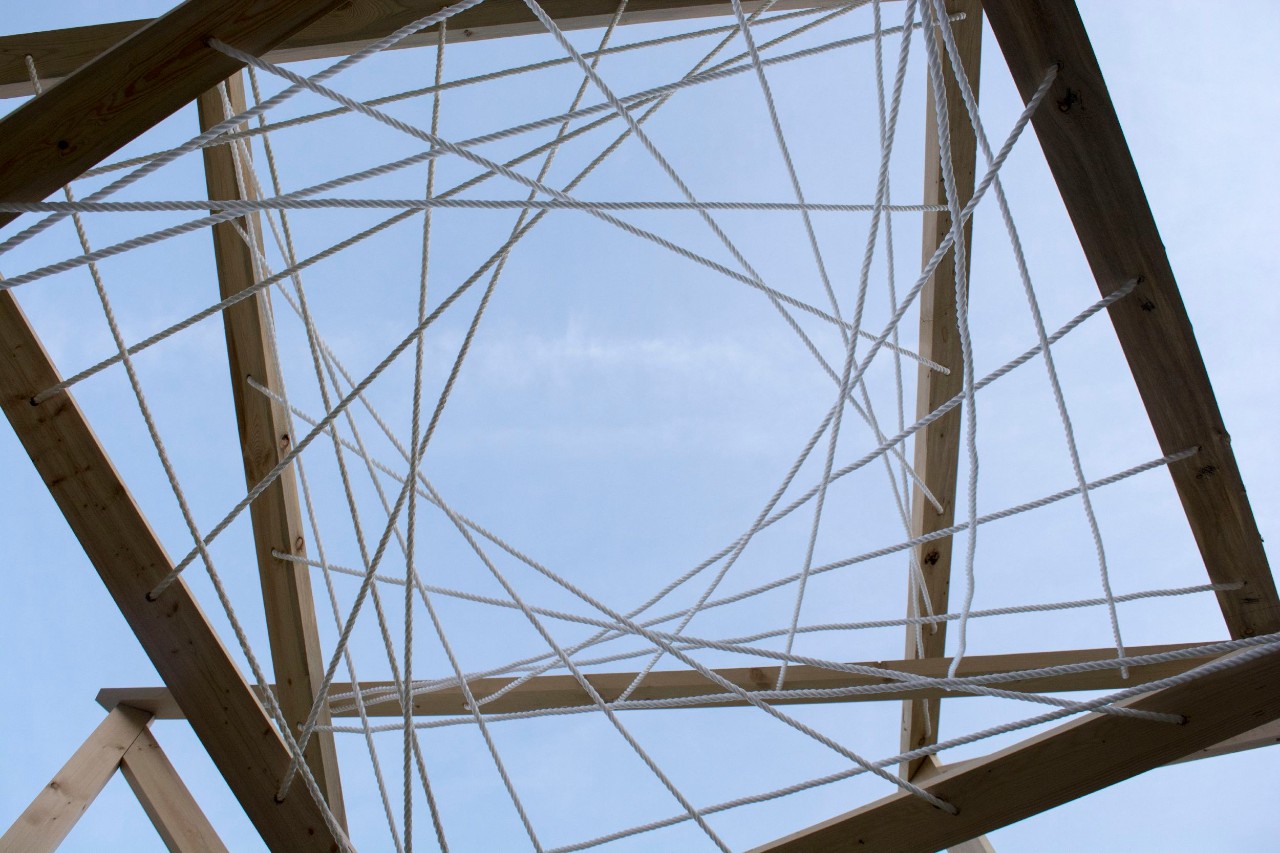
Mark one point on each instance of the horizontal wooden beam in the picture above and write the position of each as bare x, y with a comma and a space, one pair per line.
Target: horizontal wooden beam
356, 24
1055, 767
44, 824
563, 691
1085, 147
51, 140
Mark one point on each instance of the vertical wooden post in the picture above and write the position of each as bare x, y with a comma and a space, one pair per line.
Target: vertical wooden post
937, 447
264, 440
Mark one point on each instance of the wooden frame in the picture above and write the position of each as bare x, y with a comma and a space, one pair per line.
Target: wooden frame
122, 742
164, 64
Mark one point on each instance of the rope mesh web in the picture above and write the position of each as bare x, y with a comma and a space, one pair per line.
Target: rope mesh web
600, 354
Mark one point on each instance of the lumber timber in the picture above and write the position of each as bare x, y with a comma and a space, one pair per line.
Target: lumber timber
55, 810
174, 632
1054, 767
937, 446
1085, 147
51, 140
173, 811
1264, 735
560, 691
358, 23
263, 425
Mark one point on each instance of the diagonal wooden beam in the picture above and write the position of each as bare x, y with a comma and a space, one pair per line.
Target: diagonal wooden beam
937, 446
263, 425
562, 691
1086, 150
51, 140
166, 800
55, 810
357, 23
1055, 767
174, 632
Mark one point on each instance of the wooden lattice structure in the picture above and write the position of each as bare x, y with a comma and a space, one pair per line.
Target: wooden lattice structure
117, 81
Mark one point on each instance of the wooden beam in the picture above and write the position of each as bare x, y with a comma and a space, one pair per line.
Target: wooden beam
1055, 767
175, 634
356, 24
263, 425
55, 810
1264, 735
937, 446
1086, 150
561, 691
166, 800
49, 141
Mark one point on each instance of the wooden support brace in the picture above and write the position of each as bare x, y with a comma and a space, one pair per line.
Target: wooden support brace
1052, 768
166, 800
937, 446
264, 440
1086, 150
55, 810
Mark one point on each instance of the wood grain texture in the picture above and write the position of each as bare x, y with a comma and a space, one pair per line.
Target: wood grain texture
174, 632
1052, 768
937, 446
1086, 150
173, 811
55, 810
263, 426
51, 140
357, 23
561, 691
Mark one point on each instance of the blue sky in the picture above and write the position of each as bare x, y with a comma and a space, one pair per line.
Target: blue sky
625, 413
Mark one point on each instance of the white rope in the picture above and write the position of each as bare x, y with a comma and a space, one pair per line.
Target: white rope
239, 207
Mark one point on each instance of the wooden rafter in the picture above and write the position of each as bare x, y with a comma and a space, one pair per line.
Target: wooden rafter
937, 446
560, 691
356, 24
264, 439
1086, 150
1055, 767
